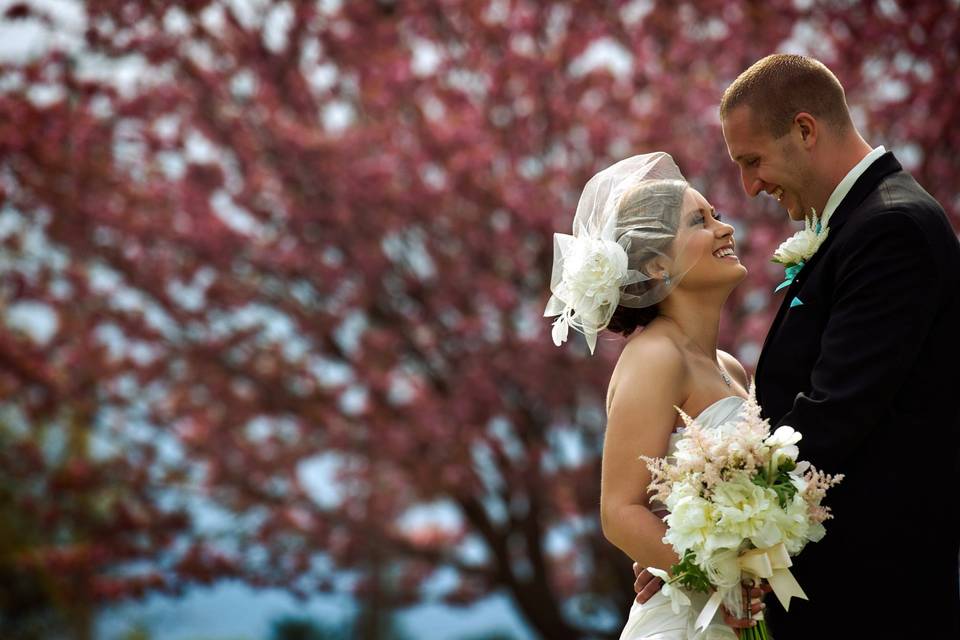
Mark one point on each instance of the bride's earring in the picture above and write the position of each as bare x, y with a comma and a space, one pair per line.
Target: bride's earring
666, 279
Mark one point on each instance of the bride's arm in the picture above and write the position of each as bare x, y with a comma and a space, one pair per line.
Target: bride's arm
650, 382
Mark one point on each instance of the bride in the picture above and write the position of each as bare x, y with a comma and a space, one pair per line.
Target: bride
650, 259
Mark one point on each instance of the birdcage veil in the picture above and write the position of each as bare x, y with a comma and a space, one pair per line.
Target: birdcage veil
623, 249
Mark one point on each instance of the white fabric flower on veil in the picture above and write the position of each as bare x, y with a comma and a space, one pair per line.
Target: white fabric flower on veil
628, 211
593, 272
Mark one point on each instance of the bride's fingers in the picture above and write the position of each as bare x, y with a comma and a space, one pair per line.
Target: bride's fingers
757, 594
735, 622
646, 586
759, 590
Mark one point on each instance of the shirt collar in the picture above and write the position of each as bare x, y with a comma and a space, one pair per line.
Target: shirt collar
848, 180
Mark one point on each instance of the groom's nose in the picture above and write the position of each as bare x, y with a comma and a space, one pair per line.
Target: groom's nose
751, 185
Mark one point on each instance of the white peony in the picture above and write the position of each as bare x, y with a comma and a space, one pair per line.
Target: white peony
769, 532
689, 523
744, 509
795, 525
680, 490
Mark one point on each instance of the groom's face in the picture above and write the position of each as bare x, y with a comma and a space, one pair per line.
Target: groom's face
768, 165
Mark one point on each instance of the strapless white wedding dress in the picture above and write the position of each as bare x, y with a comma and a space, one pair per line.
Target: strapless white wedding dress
655, 620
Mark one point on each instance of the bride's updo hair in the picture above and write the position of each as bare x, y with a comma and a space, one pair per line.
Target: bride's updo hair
657, 199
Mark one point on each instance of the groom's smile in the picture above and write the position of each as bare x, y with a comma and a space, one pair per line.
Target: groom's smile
767, 164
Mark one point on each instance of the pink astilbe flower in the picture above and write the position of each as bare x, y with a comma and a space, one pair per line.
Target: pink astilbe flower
712, 454
661, 473
817, 482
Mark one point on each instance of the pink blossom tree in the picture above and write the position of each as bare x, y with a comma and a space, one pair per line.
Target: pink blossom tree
313, 240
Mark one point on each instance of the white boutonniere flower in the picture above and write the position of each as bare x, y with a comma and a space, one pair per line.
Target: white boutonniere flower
801, 246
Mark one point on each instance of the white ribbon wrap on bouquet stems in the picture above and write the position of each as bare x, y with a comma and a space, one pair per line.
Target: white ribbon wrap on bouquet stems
771, 564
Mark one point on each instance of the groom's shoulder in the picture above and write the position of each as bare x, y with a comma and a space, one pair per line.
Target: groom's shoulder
899, 191
899, 205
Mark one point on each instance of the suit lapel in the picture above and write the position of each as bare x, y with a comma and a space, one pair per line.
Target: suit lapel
865, 184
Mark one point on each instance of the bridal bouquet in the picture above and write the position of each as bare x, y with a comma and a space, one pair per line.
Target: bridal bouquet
740, 505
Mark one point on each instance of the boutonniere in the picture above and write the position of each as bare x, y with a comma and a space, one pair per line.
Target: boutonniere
800, 247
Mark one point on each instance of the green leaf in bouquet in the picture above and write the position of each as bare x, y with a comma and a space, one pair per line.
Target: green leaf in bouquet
779, 482
784, 489
688, 574
787, 465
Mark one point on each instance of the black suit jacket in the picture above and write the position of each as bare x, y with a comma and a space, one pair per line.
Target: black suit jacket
868, 369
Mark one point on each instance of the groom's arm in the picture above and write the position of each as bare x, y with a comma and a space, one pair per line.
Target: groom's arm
885, 297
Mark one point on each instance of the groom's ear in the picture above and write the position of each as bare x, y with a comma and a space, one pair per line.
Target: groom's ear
806, 129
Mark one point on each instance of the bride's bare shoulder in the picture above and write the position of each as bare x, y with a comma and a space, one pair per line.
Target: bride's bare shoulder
651, 350
652, 360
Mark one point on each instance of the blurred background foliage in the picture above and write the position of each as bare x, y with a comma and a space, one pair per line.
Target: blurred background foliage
273, 275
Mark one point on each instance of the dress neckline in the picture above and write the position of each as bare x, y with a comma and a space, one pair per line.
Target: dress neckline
722, 402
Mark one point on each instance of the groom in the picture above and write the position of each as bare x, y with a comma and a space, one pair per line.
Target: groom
862, 359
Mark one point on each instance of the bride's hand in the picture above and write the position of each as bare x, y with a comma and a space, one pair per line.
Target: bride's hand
646, 584
755, 594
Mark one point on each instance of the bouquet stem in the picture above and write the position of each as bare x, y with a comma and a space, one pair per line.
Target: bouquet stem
759, 632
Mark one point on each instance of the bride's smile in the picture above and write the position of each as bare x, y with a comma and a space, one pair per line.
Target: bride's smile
703, 241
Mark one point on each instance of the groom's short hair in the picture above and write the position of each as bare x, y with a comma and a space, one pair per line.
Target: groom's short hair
780, 86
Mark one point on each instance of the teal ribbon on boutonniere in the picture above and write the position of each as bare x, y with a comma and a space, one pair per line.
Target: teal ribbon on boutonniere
789, 273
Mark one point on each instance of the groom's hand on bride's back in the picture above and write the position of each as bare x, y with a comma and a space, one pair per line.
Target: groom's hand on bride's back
646, 584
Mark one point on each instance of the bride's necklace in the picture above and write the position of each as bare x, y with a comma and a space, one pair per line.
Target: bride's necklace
725, 376
723, 373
